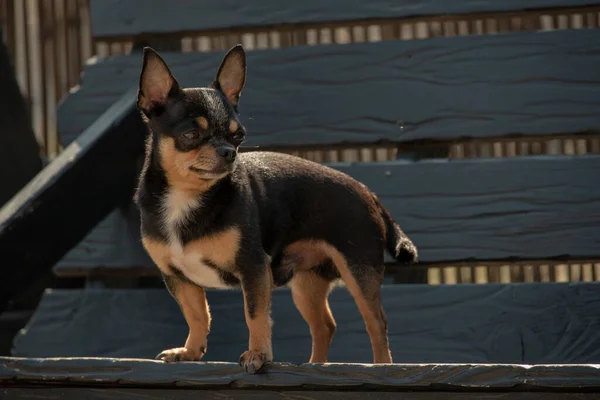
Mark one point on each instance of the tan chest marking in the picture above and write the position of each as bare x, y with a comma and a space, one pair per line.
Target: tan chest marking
220, 248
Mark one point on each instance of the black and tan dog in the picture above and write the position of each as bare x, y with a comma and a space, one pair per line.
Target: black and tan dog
213, 218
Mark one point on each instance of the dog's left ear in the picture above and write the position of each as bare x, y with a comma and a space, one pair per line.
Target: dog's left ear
231, 76
157, 83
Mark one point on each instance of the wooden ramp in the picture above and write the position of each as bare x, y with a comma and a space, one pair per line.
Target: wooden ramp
102, 378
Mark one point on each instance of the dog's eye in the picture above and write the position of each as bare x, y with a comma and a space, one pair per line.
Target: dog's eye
191, 135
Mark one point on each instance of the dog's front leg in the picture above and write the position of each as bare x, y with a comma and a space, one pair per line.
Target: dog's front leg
257, 286
193, 304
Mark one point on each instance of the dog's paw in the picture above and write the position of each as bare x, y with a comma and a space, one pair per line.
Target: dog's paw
252, 361
180, 354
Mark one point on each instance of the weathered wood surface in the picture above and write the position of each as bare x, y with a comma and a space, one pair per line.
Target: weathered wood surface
493, 209
121, 18
20, 157
120, 393
352, 377
55, 210
549, 323
99, 372
112, 247
444, 88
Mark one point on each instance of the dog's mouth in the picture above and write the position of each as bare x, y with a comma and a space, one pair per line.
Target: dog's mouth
209, 174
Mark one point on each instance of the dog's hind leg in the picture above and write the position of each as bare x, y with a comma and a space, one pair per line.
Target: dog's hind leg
364, 284
309, 292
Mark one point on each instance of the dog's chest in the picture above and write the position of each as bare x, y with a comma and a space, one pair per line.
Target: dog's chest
191, 258
191, 264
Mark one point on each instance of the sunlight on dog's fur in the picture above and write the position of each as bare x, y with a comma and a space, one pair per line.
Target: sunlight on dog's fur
213, 218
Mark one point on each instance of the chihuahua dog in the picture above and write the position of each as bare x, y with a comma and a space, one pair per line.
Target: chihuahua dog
212, 217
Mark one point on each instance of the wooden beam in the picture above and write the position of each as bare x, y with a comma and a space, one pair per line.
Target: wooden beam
100, 372
113, 18
70, 196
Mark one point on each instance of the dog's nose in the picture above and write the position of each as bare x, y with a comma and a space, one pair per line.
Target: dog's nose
226, 152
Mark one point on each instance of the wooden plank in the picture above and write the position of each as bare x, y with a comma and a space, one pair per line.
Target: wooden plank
491, 209
462, 210
112, 245
531, 323
19, 152
117, 18
99, 372
399, 91
76, 393
70, 196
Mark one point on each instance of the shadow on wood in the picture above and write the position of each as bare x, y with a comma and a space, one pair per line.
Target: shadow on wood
19, 152
532, 323
70, 196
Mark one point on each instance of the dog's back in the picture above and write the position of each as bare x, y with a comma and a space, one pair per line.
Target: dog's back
300, 200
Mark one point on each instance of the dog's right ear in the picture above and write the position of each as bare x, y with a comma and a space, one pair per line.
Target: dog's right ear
231, 76
157, 83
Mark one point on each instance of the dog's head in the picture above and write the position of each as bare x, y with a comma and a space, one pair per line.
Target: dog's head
196, 131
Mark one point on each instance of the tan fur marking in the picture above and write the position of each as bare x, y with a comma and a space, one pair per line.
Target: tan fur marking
159, 252
369, 305
220, 248
367, 298
310, 253
202, 122
309, 292
193, 304
177, 165
197, 314
233, 126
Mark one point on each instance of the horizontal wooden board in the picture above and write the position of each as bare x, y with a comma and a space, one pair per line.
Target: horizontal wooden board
56, 209
114, 244
492, 209
525, 83
125, 393
122, 18
486, 209
533, 323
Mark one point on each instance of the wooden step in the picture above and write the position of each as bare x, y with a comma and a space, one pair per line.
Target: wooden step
528, 323
133, 379
479, 209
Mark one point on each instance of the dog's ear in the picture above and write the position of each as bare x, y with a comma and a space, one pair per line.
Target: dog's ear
231, 76
157, 83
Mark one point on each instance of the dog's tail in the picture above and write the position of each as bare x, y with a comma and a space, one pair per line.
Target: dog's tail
398, 243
